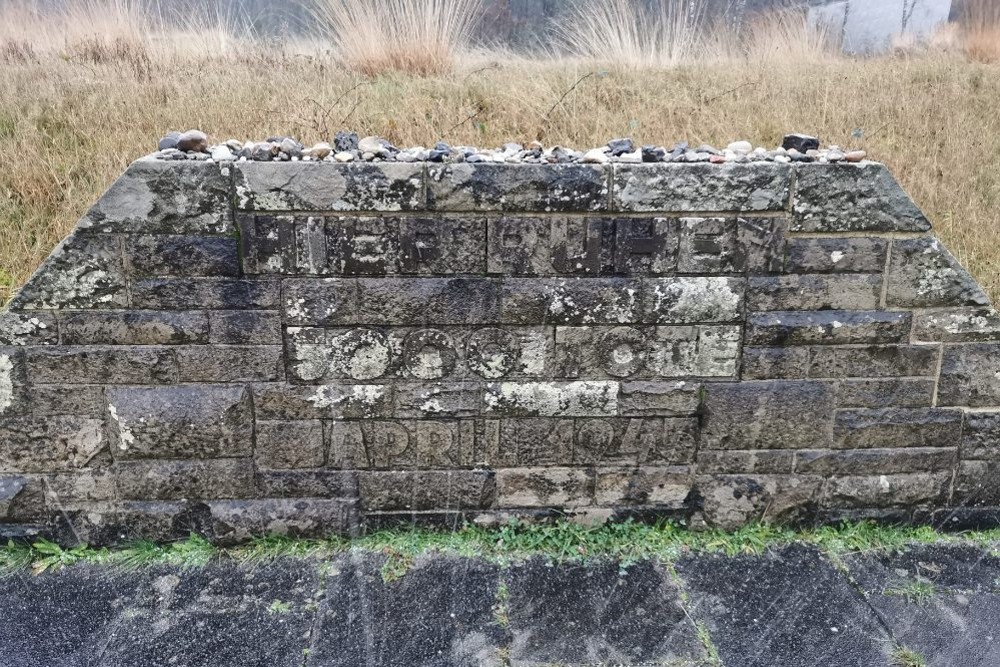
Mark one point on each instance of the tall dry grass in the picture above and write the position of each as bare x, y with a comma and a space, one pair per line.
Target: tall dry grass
421, 37
633, 33
71, 124
980, 20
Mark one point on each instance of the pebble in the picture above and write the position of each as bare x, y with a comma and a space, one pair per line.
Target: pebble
222, 153
800, 142
633, 157
169, 141
347, 147
344, 142
619, 147
320, 151
370, 145
595, 156
193, 141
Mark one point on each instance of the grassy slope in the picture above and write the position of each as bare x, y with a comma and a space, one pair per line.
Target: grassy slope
69, 126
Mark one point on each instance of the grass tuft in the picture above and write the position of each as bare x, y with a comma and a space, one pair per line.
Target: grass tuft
418, 37
918, 592
905, 657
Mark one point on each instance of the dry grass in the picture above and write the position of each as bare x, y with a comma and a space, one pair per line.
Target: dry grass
980, 21
421, 37
71, 123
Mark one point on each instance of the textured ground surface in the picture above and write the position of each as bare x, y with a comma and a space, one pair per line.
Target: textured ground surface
791, 607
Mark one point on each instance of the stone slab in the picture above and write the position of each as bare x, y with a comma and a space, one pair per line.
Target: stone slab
440, 612
598, 614
939, 601
788, 607
701, 187
852, 198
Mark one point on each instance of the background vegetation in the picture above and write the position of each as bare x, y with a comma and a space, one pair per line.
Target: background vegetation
85, 91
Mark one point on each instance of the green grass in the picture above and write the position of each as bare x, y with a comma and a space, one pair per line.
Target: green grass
916, 592
627, 543
904, 657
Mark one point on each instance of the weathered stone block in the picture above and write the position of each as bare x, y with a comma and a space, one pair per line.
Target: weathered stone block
959, 325
518, 187
763, 242
221, 363
409, 444
82, 272
897, 427
101, 365
815, 292
970, 375
47, 444
548, 487
49, 400
551, 399
14, 394
322, 186
351, 401
524, 246
665, 399
180, 422
647, 352
904, 490
182, 256
759, 462
285, 445
245, 327
134, 327
731, 501
886, 393
836, 255
326, 302
179, 480
667, 488
12, 488
438, 400
977, 484
417, 301
827, 327
31, 328
555, 442
876, 461
205, 293
427, 490
236, 521
875, 361
308, 484
981, 436
711, 245
691, 300
531, 301
767, 415
442, 245
701, 188
852, 198
84, 485
158, 197
774, 363
646, 246
923, 274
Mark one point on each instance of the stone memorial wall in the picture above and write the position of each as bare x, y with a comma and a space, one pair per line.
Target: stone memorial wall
243, 348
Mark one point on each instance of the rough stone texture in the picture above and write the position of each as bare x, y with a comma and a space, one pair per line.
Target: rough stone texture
789, 607
595, 614
303, 347
702, 187
852, 198
954, 621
